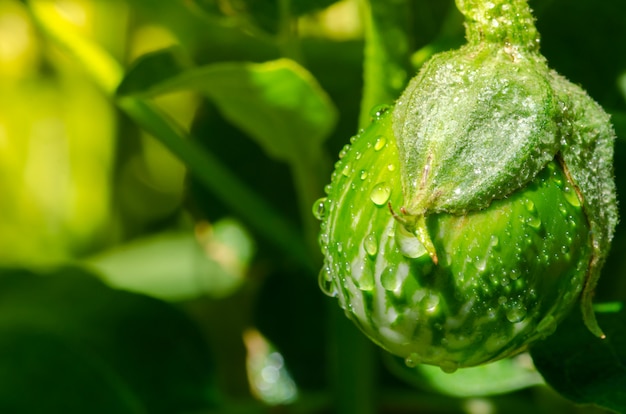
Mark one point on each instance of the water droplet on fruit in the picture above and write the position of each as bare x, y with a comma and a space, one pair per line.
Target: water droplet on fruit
344, 151
516, 312
380, 194
326, 283
494, 241
346, 170
480, 262
571, 196
389, 279
380, 143
339, 247
557, 180
370, 244
534, 222
430, 302
364, 277
449, 366
409, 244
378, 111
319, 208
413, 360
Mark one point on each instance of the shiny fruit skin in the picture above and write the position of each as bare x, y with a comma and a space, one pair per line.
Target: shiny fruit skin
507, 274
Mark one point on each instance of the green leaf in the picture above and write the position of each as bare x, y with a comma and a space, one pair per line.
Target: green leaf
175, 266
278, 103
500, 377
267, 14
79, 346
218, 178
386, 65
581, 366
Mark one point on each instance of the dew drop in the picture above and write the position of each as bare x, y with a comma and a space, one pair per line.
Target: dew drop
339, 247
363, 174
380, 143
430, 302
413, 360
344, 151
530, 205
389, 279
380, 194
534, 222
346, 170
378, 111
326, 283
319, 208
516, 313
370, 244
571, 196
449, 366
481, 263
391, 167
494, 240
557, 180
364, 277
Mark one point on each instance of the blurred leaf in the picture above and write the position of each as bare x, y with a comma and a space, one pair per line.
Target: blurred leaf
216, 176
386, 65
267, 14
176, 267
582, 367
153, 69
277, 103
55, 183
78, 346
499, 377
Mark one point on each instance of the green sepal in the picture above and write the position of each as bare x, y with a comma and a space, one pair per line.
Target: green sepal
473, 126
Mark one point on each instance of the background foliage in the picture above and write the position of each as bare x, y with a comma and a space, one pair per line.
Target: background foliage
158, 164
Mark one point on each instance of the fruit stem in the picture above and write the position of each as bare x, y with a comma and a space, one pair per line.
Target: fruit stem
416, 225
421, 231
502, 22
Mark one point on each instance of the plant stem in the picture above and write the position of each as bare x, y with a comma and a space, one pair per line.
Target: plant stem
386, 67
353, 362
500, 22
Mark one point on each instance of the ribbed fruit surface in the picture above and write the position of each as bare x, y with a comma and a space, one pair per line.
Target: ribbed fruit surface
506, 274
